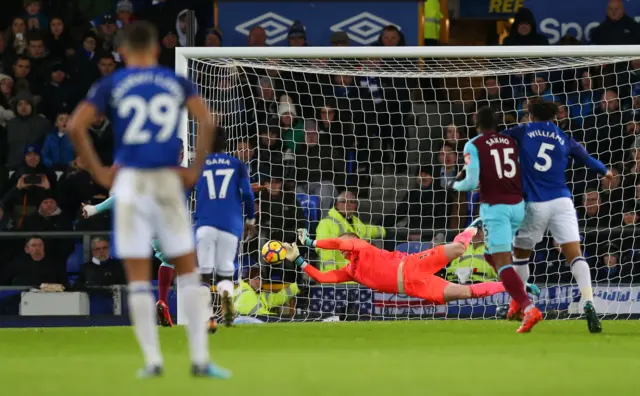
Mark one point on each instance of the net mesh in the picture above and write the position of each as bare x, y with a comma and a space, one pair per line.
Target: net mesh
370, 146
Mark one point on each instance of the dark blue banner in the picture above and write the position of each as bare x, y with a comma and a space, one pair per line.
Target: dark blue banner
362, 21
554, 18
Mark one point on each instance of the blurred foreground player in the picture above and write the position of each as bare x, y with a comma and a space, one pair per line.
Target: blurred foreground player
544, 155
395, 272
222, 192
491, 161
144, 102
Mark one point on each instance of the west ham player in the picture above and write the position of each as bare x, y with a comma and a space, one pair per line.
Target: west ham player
544, 154
222, 192
144, 101
492, 163
395, 272
166, 270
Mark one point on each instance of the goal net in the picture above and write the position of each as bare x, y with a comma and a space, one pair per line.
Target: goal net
365, 140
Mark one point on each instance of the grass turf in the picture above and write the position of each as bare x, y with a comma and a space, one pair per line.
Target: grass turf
306, 359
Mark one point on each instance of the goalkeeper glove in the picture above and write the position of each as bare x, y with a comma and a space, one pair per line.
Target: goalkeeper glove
293, 254
303, 237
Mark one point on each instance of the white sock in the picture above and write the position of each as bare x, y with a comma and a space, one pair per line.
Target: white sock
196, 307
225, 286
582, 275
521, 266
143, 318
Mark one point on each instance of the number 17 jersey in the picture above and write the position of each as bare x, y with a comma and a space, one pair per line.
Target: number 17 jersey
144, 105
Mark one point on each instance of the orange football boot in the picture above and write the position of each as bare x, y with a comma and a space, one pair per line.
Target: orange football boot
531, 318
164, 317
515, 312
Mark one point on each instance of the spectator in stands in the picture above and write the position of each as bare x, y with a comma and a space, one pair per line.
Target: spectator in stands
603, 133
102, 269
213, 37
329, 123
15, 37
524, 30
25, 129
454, 138
37, 54
59, 41
611, 190
257, 37
342, 218
83, 69
102, 134
168, 49
106, 64
297, 36
34, 268
339, 39
36, 19
612, 266
251, 300
594, 213
582, 103
319, 167
270, 149
550, 266
124, 13
106, 32
246, 153
472, 267
426, 206
78, 187
391, 36
564, 121
617, 28
539, 87
57, 152
6, 95
447, 166
291, 127
628, 240
22, 77
498, 97
265, 103
59, 94
279, 213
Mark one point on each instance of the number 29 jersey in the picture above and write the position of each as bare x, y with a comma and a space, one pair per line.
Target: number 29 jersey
544, 155
144, 105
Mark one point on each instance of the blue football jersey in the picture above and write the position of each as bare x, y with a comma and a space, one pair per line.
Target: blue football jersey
544, 155
221, 192
144, 105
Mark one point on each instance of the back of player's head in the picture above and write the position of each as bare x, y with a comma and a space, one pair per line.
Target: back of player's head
486, 119
349, 235
543, 111
140, 36
220, 141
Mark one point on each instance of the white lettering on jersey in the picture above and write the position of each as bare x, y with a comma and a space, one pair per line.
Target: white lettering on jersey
218, 161
133, 80
497, 140
547, 134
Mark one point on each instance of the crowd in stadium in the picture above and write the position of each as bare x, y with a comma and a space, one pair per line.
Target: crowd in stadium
334, 153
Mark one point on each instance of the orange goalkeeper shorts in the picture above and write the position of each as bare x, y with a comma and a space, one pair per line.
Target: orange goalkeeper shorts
419, 277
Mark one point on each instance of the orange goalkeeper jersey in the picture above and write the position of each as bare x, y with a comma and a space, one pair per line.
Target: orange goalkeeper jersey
372, 267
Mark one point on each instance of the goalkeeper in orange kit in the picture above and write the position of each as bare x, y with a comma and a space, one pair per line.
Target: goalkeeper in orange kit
395, 272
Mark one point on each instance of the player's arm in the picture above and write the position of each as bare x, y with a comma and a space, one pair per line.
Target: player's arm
92, 210
580, 155
335, 276
515, 132
472, 167
82, 117
327, 244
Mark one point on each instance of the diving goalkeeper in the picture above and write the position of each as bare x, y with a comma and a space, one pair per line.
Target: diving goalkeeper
395, 272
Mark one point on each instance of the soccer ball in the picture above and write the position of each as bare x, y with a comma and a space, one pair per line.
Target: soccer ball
273, 252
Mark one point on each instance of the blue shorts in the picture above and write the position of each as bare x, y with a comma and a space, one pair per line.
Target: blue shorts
500, 223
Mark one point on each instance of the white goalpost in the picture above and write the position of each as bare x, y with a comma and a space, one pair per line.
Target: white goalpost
372, 135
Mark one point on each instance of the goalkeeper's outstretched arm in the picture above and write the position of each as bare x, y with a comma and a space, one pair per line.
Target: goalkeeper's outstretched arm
345, 245
335, 276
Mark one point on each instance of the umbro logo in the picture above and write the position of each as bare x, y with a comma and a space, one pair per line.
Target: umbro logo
363, 28
276, 26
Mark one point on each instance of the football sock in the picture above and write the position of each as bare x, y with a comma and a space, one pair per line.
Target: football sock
143, 318
225, 284
581, 273
196, 307
521, 266
486, 289
165, 278
514, 286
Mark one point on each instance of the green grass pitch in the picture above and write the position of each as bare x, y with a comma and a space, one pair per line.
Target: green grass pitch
306, 359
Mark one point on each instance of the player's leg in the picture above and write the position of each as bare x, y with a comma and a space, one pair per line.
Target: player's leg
499, 221
165, 279
226, 252
564, 229
132, 240
173, 228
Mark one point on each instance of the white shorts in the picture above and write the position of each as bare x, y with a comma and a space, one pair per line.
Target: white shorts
217, 250
150, 204
558, 216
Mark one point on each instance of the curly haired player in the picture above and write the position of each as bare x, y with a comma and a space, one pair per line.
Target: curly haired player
395, 272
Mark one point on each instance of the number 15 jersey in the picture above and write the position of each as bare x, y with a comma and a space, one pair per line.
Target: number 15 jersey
144, 105
544, 154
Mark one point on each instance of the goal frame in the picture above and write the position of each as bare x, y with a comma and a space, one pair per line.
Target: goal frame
183, 54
